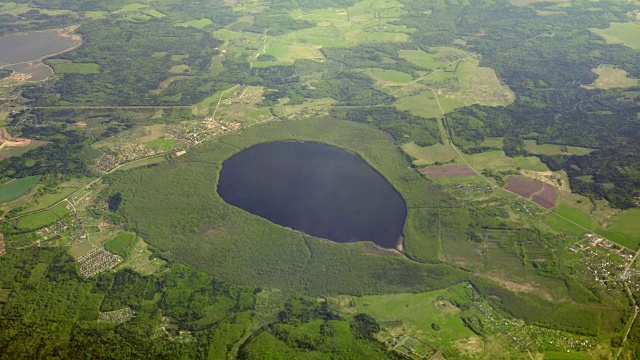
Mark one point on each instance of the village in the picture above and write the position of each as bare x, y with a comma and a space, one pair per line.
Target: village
607, 263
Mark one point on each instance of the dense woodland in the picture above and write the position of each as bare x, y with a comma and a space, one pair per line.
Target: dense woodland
178, 314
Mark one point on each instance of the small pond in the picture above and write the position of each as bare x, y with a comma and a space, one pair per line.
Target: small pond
319, 189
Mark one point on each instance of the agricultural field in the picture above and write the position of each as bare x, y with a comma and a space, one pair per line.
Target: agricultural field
430, 316
577, 216
162, 144
454, 80
69, 67
53, 195
142, 260
537, 191
454, 171
43, 218
497, 160
430, 155
610, 77
532, 147
121, 244
391, 77
623, 229
627, 34
16, 188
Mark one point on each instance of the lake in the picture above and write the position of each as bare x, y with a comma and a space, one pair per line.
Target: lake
33, 45
37, 71
319, 189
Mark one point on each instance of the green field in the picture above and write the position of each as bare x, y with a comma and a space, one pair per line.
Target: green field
627, 34
43, 218
339, 27
16, 188
430, 154
496, 142
439, 57
610, 77
562, 226
577, 216
142, 260
163, 144
198, 24
142, 162
55, 195
479, 272
552, 149
121, 244
451, 83
624, 229
388, 76
497, 160
69, 67
415, 313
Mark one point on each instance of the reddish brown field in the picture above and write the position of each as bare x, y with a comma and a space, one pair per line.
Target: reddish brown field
448, 171
547, 197
541, 193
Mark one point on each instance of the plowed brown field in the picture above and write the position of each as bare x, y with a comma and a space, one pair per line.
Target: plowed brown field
541, 193
448, 171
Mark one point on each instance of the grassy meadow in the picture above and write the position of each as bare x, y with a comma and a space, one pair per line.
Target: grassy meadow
121, 244
430, 154
43, 218
610, 77
416, 313
450, 86
627, 34
552, 149
16, 188
624, 229
497, 160
577, 216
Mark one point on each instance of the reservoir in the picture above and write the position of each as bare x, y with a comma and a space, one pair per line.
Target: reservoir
319, 189
34, 45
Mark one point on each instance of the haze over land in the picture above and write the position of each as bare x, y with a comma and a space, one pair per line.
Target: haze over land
494, 144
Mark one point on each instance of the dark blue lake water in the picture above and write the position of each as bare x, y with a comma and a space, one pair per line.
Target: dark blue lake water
319, 189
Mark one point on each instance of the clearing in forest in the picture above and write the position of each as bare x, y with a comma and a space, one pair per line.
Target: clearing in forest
497, 160
627, 33
553, 149
448, 86
16, 188
364, 22
428, 316
429, 155
610, 77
